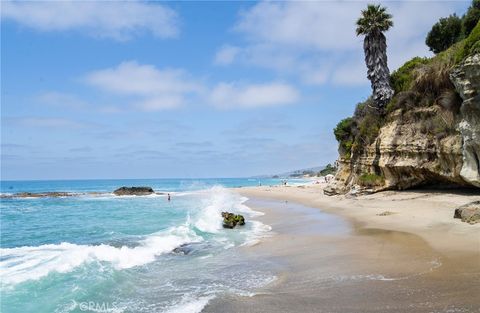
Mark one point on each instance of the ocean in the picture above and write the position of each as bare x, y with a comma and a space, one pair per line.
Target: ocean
97, 252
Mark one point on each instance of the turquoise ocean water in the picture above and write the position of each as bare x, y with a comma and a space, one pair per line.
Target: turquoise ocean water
103, 253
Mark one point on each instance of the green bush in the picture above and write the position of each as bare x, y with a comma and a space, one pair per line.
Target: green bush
370, 180
444, 33
432, 79
471, 18
405, 100
368, 128
402, 78
469, 46
343, 129
357, 132
344, 135
450, 30
368, 121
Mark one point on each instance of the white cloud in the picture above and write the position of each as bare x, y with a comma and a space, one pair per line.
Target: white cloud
226, 55
151, 88
104, 19
233, 95
60, 99
316, 42
319, 25
47, 122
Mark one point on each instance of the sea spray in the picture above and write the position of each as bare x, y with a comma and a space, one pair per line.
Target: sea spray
24, 263
104, 249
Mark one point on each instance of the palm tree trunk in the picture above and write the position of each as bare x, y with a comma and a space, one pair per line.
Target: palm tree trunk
375, 47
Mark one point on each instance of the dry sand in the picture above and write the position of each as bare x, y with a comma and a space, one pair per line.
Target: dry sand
427, 213
346, 257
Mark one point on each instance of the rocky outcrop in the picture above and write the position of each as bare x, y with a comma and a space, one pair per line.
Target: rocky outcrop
406, 154
50, 194
469, 213
466, 78
133, 191
231, 220
403, 156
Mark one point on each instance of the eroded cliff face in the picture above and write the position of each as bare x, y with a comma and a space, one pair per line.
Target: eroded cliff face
406, 155
466, 79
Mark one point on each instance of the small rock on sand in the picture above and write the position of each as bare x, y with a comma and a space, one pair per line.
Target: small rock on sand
469, 213
385, 213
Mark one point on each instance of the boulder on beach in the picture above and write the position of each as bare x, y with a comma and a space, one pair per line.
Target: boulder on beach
133, 191
469, 213
231, 220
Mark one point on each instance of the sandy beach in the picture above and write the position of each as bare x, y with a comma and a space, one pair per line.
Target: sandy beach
341, 254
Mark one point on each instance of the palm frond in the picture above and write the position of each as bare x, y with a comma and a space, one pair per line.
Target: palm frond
374, 19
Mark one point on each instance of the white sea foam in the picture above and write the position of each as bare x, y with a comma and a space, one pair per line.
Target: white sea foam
218, 199
29, 263
190, 305
222, 199
26, 263
259, 231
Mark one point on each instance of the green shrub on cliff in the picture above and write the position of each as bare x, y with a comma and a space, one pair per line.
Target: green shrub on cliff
450, 30
471, 18
406, 100
344, 133
469, 46
343, 129
431, 79
444, 33
357, 132
368, 120
402, 78
371, 180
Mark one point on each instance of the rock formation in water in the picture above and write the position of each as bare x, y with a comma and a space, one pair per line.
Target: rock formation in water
133, 191
231, 220
49, 194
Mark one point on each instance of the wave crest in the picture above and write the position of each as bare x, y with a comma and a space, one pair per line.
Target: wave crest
26, 263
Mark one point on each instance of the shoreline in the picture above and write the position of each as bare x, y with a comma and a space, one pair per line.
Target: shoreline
426, 213
334, 248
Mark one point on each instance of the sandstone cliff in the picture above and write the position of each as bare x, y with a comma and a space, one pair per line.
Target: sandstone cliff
435, 143
466, 79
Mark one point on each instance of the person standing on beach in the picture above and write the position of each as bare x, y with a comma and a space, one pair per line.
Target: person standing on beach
168, 197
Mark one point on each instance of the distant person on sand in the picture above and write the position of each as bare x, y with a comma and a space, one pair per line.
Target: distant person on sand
168, 197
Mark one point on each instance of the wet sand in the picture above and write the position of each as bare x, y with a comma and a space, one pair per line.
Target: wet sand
345, 263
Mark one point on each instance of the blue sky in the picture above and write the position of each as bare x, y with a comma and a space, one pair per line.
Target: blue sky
185, 89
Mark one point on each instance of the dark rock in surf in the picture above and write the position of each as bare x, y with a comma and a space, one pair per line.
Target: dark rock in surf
183, 249
133, 191
231, 220
189, 248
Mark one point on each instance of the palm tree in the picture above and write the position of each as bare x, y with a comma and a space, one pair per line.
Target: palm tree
372, 23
